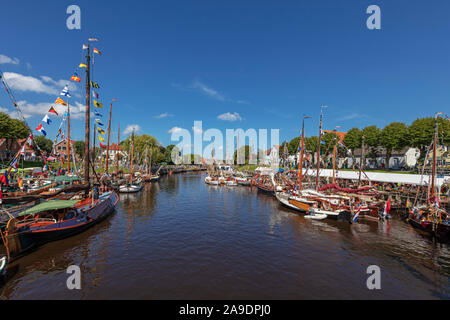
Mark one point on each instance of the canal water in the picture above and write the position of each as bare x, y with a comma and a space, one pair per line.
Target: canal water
182, 239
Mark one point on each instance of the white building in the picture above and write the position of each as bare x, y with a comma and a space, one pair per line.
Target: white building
405, 158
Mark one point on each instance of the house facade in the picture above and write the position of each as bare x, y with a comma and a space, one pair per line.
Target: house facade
60, 149
10, 147
376, 159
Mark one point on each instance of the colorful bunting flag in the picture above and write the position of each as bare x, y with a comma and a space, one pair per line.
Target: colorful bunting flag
95, 85
95, 94
101, 138
97, 51
65, 92
52, 110
47, 119
40, 128
98, 122
98, 104
75, 77
15, 164
4, 178
60, 101
97, 114
102, 146
82, 65
100, 130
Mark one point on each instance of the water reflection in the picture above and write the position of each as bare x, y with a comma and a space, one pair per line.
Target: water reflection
180, 238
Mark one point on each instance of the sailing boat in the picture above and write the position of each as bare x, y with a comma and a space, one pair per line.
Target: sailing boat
430, 217
293, 199
211, 179
57, 219
131, 187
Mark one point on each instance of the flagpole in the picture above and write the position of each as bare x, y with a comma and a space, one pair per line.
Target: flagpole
109, 132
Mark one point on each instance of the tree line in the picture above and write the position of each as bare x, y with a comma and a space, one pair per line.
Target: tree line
394, 136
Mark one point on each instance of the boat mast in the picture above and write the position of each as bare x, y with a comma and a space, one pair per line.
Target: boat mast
433, 174
87, 124
150, 164
68, 136
132, 150
109, 132
117, 151
361, 163
300, 163
318, 147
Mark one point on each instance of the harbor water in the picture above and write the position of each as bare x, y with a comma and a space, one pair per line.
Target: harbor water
182, 239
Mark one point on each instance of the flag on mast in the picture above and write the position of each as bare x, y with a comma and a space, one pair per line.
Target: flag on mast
52, 110
40, 128
60, 101
47, 119
65, 91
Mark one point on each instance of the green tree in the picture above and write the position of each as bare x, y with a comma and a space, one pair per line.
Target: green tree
79, 148
12, 129
394, 136
168, 153
371, 136
422, 131
44, 143
330, 139
293, 145
311, 143
353, 139
244, 154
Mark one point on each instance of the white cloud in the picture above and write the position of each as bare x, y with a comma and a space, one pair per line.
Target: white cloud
77, 110
44, 85
208, 91
163, 115
175, 130
230, 116
5, 59
132, 127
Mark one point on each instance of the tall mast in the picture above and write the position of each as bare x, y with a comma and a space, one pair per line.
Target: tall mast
132, 150
150, 164
318, 148
300, 163
68, 136
334, 163
363, 151
433, 176
88, 112
117, 151
109, 132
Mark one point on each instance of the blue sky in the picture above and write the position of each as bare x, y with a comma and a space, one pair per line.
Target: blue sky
261, 63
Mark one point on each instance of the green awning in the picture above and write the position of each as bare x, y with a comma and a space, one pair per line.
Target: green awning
65, 178
49, 205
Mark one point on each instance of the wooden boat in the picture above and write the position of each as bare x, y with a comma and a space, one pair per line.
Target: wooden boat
53, 220
432, 217
130, 188
243, 181
266, 189
294, 203
315, 214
